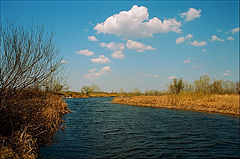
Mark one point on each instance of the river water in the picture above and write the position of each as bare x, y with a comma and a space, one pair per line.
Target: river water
99, 129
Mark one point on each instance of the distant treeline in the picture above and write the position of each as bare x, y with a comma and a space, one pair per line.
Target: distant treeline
203, 85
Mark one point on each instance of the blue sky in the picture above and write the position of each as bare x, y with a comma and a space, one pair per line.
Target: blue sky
138, 44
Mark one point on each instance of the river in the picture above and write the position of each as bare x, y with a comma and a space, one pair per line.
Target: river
99, 129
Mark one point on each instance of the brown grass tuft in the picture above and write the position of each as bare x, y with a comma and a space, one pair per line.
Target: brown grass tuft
29, 120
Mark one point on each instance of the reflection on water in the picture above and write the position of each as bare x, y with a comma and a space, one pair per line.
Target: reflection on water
99, 129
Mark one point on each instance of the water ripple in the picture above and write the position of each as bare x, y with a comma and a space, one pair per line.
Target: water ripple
99, 129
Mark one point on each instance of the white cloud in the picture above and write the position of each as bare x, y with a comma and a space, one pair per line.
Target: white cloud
148, 75
215, 38
230, 38
189, 36
171, 77
182, 39
191, 14
64, 61
100, 59
104, 70
85, 52
226, 74
187, 61
92, 38
235, 30
113, 46
94, 74
196, 43
118, 55
136, 23
92, 70
138, 46
204, 50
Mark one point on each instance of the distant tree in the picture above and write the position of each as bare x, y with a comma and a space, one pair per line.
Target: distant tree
188, 87
237, 88
136, 91
121, 91
87, 90
176, 86
153, 93
229, 87
203, 84
95, 88
216, 87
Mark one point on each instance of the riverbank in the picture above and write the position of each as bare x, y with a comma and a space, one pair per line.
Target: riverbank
225, 104
71, 94
29, 119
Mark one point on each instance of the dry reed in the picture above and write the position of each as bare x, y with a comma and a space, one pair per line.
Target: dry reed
29, 120
226, 104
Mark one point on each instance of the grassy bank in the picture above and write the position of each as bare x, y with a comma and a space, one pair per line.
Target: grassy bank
71, 94
29, 119
226, 104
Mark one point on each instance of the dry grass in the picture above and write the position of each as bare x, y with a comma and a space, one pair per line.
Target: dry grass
71, 94
226, 104
29, 120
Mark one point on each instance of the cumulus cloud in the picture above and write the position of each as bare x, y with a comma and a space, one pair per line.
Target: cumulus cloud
204, 50
113, 46
215, 38
235, 30
136, 23
182, 39
85, 52
189, 36
230, 38
64, 61
171, 77
191, 14
93, 73
135, 45
200, 43
148, 75
187, 60
100, 59
92, 38
118, 55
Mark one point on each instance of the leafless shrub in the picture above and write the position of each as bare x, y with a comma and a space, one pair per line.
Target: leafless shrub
28, 58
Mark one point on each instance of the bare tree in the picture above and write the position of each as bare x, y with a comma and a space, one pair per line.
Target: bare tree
28, 57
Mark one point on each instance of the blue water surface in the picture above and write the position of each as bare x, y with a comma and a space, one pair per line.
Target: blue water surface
99, 129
